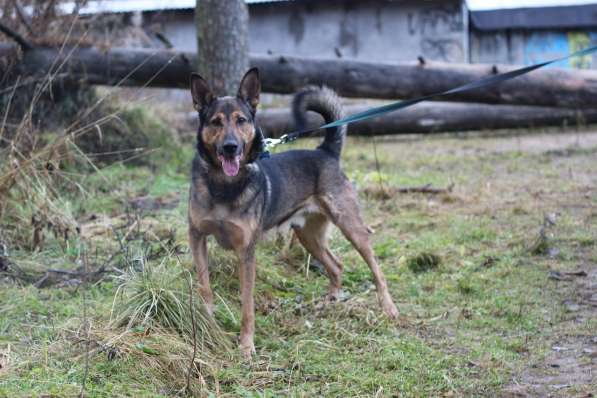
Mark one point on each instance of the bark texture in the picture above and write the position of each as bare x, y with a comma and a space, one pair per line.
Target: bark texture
283, 75
436, 117
222, 40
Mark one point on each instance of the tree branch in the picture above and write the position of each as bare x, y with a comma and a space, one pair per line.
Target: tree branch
25, 45
22, 17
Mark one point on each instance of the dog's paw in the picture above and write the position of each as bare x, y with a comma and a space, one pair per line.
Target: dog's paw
331, 297
389, 308
247, 350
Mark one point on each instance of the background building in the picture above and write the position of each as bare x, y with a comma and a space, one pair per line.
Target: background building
380, 30
374, 30
531, 35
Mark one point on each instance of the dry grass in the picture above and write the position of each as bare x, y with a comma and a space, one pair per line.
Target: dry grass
162, 297
29, 174
161, 353
38, 165
158, 322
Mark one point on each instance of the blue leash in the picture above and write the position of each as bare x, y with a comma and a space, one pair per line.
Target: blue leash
394, 106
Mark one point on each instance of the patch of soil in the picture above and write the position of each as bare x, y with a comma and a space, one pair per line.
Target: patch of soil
570, 369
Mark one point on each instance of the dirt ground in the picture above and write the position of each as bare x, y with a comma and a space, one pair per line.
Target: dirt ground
572, 362
570, 367
573, 359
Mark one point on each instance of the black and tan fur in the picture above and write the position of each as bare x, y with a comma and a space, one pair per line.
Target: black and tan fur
305, 189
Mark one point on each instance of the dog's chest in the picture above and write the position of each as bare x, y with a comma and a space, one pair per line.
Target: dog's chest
231, 230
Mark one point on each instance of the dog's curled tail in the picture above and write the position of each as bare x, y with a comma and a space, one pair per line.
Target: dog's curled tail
324, 101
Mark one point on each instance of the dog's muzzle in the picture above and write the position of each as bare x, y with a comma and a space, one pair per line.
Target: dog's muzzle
230, 155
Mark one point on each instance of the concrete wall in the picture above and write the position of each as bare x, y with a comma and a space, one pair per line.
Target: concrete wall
528, 47
373, 30
376, 30
385, 31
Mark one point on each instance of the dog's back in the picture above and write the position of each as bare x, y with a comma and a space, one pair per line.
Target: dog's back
292, 177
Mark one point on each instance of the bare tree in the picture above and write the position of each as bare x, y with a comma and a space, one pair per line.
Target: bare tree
223, 45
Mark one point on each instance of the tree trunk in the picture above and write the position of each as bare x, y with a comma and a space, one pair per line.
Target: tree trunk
436, 117
162, 68
359, 79
222, 40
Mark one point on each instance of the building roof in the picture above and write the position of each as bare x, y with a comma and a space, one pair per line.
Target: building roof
485, 14
116, 6
580, 16
111, 6
479, 5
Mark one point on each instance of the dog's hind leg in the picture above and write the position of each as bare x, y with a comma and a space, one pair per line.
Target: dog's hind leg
198, 243
343, 210
313, 236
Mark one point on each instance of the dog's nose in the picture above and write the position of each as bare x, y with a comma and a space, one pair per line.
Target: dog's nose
230, 148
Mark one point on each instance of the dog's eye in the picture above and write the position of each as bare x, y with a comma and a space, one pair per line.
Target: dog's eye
241, 120
216, 122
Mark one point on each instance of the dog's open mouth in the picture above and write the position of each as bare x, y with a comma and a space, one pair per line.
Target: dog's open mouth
230, 165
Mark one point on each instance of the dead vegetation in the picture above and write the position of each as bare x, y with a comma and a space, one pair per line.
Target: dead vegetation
160, 296
45, 160
163, 354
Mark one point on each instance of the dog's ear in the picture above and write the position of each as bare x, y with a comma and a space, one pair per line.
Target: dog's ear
202, 94
250, 88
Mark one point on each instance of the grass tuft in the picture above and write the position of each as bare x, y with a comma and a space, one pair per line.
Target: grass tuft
160, 353
161, 297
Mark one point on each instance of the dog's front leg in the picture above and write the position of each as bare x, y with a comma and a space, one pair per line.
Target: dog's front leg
247, 283
198, 242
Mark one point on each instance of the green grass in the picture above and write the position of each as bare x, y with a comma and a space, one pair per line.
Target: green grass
471, 321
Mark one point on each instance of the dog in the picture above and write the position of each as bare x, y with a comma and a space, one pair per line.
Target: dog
237, 195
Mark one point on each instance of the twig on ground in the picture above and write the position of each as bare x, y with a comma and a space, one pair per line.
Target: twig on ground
85, 322
194, 331
566, 275
387, 192
52, 277
427, 188
58, 276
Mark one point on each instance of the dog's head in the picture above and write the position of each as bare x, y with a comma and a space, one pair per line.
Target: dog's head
228, 137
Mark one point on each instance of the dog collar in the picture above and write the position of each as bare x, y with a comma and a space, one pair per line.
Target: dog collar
271, 143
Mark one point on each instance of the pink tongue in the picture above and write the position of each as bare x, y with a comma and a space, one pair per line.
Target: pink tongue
230, 166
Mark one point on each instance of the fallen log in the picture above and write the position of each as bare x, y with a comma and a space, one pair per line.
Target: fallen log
435, 117
283, 75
